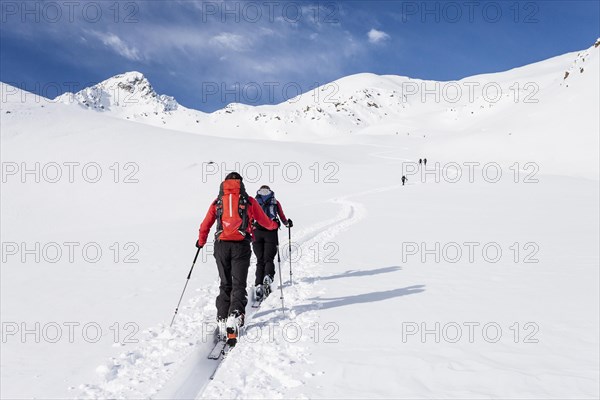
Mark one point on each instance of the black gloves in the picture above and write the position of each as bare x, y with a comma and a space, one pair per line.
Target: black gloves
289, 223
198, 245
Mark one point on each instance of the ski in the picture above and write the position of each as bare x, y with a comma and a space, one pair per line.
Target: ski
217, 350
222, 355
221, 348
256, 303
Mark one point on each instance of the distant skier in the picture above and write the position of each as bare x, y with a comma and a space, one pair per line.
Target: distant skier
404, 179
420, 162
265, 242
425, 161
233, 210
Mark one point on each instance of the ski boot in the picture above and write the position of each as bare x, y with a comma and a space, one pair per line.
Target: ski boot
267, 281
221, 330
259, 293
234, 323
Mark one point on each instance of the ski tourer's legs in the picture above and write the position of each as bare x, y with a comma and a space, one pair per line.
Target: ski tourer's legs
270, 251
240, 263
258, 245
223, 259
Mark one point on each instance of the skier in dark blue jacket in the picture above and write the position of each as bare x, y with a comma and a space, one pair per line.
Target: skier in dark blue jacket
266, 241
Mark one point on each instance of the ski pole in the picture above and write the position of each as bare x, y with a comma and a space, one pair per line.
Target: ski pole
186, 283
280, 280
290, 255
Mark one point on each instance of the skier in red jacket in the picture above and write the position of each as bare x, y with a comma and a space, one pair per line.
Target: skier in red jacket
233, 210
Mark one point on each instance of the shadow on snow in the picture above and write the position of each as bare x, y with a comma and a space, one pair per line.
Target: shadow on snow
353, 273
324, 303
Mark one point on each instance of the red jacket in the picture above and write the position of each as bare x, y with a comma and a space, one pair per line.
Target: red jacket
255, 212
281, 214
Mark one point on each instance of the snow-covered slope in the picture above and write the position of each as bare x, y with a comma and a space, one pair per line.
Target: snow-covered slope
551, 129
540, 112
356, 290
356, 102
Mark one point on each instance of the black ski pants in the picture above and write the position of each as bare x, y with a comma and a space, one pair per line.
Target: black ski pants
265, 248
233, 262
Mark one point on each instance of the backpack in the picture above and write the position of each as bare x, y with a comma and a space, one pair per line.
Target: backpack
268, 204
232, 211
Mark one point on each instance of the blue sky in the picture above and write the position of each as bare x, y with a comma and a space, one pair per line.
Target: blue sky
210, 53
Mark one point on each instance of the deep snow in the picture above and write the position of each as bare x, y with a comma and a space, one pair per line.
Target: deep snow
359, 292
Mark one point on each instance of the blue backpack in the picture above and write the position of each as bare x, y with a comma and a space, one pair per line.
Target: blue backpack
268, 204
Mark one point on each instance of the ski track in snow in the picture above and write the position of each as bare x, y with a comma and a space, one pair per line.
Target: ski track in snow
172, 362
260, 368
263, 367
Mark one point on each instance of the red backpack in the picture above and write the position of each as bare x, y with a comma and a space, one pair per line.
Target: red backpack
232, 211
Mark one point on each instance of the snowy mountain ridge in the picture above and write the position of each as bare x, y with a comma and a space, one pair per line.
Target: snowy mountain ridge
364, 102
122, 92
489, 116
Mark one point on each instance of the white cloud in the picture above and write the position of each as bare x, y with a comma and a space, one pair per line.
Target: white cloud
265, 51
376, 36
118, 46
231, 41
